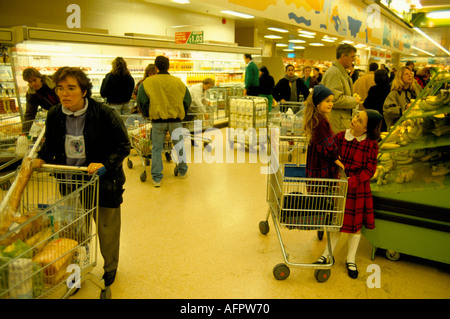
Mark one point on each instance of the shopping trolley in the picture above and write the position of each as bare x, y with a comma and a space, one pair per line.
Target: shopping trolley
297, 202
48, 246
139, 132
196, 122
16, 138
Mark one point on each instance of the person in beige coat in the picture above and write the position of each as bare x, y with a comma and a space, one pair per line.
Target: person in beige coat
339, 82
365, 82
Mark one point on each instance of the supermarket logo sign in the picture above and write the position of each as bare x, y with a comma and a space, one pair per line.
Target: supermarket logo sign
236, 140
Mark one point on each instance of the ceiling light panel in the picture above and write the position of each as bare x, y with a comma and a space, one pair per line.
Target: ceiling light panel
238, 14
316, 44
297, 41
278, 30
272, 36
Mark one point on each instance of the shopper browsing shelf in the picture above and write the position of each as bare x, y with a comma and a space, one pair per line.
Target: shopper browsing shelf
358, 150
83, 132
41, 92
166, 99
403, 90
365, 82
338, 80
199, 100
117, 87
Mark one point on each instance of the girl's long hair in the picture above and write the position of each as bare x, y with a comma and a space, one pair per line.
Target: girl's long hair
310, 116
119, 66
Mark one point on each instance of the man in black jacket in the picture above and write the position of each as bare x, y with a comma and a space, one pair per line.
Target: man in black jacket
83, 132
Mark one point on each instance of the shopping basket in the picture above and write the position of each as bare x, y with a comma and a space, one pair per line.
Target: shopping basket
298, 202
139, 132
48, 247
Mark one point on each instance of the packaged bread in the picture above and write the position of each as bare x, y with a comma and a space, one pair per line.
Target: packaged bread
55, 255
24, 226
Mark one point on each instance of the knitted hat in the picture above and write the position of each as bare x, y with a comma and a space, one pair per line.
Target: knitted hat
320, 93
373, 119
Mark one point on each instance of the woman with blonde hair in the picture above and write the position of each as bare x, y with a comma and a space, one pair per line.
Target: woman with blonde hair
117, 87
403, 90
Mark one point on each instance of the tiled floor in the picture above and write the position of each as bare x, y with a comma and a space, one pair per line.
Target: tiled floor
199, 238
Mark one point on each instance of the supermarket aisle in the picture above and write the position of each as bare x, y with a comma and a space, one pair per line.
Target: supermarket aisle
199, 238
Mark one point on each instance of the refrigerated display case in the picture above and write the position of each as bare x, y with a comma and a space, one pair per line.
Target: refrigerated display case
411, 185
9, 105
47, 50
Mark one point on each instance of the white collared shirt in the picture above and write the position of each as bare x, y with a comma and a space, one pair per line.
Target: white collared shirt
349, 136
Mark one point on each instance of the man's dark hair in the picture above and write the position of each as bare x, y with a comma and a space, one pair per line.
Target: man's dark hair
162, 63
373, 66
248, 56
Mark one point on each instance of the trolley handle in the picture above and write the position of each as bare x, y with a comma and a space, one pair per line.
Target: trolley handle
100, 171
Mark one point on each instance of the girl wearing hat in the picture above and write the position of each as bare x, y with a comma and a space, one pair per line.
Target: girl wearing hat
322, 155
358, 150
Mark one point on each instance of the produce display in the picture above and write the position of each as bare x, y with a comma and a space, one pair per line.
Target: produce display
418, 146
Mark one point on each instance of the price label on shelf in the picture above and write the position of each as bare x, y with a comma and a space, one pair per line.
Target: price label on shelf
192, 37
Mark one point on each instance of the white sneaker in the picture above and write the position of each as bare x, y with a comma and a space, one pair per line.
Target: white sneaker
157, 184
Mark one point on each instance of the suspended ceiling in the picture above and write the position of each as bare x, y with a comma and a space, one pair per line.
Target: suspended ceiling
439, 33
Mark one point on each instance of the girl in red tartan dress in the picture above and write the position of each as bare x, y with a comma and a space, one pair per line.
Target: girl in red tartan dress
358, 150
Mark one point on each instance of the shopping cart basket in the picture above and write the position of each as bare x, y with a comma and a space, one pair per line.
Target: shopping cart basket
48, 247
139, 131
288, 116
16, 138
297, 202
196, 122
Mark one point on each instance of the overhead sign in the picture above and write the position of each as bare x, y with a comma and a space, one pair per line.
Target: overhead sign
191, 37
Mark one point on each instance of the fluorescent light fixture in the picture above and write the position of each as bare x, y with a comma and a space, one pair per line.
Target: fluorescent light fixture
328, 40
181, 1
297, 41
360, 46
426, 52
316, 44
438, 14
288, 50
281, 45
298, 47
347, 41
413, 54
331, 38
431, 40
238, 14
306, 36
272, 36
278, 30
306, 32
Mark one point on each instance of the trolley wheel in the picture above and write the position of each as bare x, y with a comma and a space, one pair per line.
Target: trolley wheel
106, 293
281, 272
147, 161
129, 163
168, 156
392, 255
320, 234
143, 176
264, 227
322, 275
175, 170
